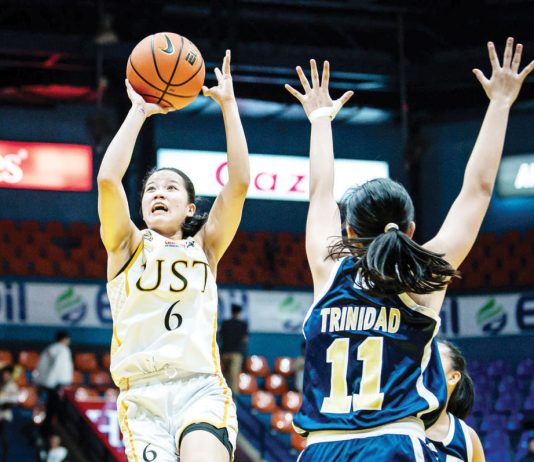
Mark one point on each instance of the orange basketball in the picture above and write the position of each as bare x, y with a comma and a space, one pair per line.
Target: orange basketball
166, 69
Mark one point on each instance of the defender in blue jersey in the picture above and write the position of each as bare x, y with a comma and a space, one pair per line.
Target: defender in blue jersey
372, 375
450, 436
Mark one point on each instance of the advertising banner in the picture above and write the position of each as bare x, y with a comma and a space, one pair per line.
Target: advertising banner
273, 177
51, 166
66, 305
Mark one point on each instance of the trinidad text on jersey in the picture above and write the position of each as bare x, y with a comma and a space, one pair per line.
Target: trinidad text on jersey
360, 318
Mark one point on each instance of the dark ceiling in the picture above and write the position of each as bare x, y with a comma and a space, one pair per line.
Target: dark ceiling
48, 52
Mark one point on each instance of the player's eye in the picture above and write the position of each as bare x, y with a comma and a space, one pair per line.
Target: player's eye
172, 187
150, 189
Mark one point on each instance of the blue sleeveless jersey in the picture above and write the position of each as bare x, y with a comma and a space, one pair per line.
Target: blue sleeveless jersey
457, 445
369, 360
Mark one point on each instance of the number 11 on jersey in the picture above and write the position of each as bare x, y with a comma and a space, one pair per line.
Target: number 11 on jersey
369, 397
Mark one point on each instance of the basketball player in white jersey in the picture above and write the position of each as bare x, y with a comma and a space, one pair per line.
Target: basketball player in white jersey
174, 403
450, 436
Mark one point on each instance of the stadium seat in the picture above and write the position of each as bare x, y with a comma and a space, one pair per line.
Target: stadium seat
263, 401
77, 378
106, 361
100, 380
6, 357
282, 366
522, 445
27, 397
85, 394
525, 368
281, 421
493, 422
497, 446
85, 362
507, 401
247, 383
55, 228
276, 384
515, 422
291, 401
257, 365
298, 442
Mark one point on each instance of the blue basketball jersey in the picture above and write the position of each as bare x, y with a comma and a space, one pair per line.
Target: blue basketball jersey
370, 360
457, 445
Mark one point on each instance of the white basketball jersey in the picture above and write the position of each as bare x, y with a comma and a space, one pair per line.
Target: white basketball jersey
164, 308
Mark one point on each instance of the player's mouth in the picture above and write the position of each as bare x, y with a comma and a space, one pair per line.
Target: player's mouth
159, 208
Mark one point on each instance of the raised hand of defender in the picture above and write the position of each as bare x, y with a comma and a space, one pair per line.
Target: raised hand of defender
506, 80
224, 90
317, 95
147, 109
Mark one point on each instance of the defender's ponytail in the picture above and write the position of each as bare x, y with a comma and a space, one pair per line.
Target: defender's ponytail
380, 212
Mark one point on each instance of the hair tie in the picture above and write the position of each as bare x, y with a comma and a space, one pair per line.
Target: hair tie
390, 226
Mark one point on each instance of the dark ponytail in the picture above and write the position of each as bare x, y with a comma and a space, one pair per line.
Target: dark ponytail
191, 225
390, 262
463, 397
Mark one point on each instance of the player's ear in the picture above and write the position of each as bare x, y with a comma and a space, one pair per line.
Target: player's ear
350, 232
191, 209
454, 377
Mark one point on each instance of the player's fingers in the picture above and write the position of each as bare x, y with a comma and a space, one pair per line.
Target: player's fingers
516, 61
346, 96
226, 62
294, 92
480, 76
508, 53
314, 73
218, 74
326, 75
494, 59
527, 70
205, 91
303, 79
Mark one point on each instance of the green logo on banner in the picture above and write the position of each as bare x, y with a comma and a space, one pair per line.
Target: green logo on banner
70, 307
491, 317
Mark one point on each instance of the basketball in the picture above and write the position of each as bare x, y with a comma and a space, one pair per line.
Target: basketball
166, 69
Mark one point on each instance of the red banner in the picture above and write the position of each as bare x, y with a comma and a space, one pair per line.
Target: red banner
102, 417
51, 166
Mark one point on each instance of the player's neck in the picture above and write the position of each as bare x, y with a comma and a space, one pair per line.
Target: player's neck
440, 429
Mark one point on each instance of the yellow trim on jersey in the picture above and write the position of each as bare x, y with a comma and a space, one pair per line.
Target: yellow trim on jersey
217, 366
140, 247
130, 435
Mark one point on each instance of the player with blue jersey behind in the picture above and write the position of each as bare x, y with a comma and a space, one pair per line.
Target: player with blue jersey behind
372, 375
450, 436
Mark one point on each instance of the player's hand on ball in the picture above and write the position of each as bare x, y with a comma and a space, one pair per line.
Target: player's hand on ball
224, 90
317, 95
147, 109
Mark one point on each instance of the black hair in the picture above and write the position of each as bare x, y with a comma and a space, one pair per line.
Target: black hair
9, 368
191, 225
236, 308
62, 335
463, 397
390, 262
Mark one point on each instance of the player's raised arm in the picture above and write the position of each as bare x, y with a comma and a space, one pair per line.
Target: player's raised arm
461, 226
324, 221
225, 215
119, 234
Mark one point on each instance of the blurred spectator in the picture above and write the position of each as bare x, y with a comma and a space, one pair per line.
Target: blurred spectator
8, 398
298, 367
54, 371
234, 337
529, 456
56, 453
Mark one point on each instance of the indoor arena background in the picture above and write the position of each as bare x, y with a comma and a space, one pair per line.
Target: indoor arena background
417, 109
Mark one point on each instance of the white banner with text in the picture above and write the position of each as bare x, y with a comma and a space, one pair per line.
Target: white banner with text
64, 305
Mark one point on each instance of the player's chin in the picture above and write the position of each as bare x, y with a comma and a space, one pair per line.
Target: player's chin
163, 223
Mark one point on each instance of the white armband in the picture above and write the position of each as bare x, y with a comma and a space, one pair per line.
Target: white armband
325, 111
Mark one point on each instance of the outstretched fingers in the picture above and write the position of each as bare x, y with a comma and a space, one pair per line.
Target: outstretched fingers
516, 61
294, 92
527, 70
494, 59
508, 53
303, 80
480, 76
218, 74
314, 73
326, 75
226, 62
